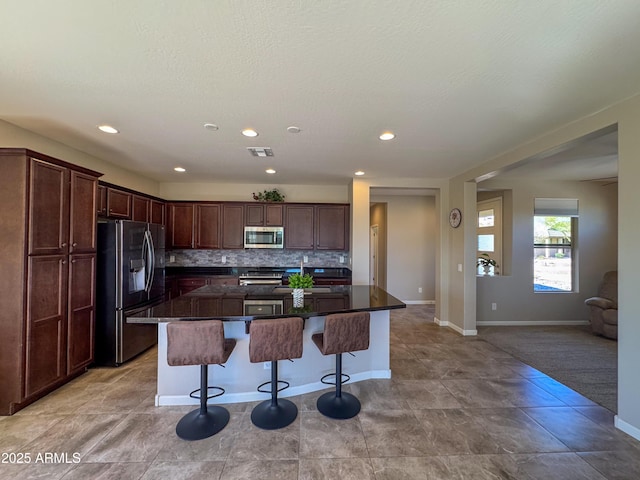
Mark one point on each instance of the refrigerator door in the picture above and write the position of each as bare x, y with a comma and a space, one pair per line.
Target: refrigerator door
133, 338
134, 263
157, 281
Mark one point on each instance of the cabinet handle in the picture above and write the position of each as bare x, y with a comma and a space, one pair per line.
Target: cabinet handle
73, 261
64, 244
74, 244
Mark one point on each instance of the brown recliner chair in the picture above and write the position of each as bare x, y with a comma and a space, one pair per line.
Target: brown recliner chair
604, 307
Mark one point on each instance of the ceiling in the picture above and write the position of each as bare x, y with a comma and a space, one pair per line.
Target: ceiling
459, 82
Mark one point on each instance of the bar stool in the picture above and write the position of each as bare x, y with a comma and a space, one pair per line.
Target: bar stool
200, 343
343, 332
271, 340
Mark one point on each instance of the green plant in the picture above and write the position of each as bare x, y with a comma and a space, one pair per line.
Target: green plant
273, 195
484, 260
300, 281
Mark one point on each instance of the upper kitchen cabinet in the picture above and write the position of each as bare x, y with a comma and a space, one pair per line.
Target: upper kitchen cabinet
119, 204
140, 211
332, 227
47, 291
299, 227
264, 215
207, 226
193, 225
157, 212
180, 223
317, 227
232, 225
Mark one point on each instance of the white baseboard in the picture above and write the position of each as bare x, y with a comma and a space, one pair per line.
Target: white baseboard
419, 302
461, 331
529, 323
441, 323
626, 428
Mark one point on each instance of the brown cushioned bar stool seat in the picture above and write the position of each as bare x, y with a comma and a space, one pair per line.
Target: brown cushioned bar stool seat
200, 343
271, 340
343, 332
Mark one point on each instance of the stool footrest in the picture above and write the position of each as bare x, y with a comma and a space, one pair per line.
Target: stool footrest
286, 385
344, 378
220, 389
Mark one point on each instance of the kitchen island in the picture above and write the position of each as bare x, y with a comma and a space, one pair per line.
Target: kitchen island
240, 377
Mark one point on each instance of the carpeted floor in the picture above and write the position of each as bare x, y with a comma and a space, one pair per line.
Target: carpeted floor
570, 354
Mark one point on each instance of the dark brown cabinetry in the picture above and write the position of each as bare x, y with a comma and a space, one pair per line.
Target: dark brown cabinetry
299, 223
207, 226
264, 215
193, 225
157, 210
140, 209
317, 227
47, 289
182, 285
118, 204
331, 227
232, 225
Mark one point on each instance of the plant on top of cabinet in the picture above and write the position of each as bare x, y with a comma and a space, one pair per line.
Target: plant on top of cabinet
273, 195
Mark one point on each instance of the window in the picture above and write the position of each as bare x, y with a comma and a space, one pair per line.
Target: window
553, 244
489, 232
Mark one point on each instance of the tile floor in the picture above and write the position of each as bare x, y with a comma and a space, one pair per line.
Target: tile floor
456, 408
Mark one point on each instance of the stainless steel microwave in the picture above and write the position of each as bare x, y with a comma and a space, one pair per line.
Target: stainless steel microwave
263, 237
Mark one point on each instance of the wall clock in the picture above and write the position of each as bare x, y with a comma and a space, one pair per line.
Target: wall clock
455, 217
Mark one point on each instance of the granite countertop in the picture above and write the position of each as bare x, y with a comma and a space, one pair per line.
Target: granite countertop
203, 303
319, 272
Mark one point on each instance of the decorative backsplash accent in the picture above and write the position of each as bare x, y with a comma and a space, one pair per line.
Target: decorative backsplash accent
257, 258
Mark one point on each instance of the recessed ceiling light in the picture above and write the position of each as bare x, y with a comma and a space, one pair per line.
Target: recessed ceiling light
249, 132
387, 136
180, 169
210, 126
107, 129
270, 171
359, 173
293, 129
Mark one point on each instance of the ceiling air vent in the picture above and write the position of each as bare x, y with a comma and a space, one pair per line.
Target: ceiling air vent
261, 151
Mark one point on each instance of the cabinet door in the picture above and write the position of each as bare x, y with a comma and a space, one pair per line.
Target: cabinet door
48, 209
233, 226
157, 212
207, 226
81, 305
118, 204
186, 285
82, 213
223, 280
180, 225
140, 209
254, 215
46, 319
331, 227
273, 215
232, 306
298, 232
102, 201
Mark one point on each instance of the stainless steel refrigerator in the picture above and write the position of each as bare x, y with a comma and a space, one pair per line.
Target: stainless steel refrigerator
130, 278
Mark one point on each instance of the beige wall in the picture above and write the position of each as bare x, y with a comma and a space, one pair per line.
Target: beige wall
243, 192
596, 251
378, 217
411, 245
627, 116
12, 136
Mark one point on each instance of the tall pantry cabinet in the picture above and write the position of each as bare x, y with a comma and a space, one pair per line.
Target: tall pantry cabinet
48, 213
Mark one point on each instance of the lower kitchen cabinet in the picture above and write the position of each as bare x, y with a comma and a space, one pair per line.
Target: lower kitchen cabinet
182, 285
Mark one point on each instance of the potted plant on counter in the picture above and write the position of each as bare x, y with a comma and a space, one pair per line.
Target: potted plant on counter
486, 262
298, 283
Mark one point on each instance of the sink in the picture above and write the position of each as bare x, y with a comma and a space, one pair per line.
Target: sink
306, 290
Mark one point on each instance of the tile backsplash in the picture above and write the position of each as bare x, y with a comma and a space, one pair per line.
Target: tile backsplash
256, 258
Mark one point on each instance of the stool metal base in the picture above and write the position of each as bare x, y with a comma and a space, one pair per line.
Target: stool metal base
196, 425
270, 416
340, 407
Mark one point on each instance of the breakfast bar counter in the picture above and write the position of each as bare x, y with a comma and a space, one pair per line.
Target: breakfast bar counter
240, 377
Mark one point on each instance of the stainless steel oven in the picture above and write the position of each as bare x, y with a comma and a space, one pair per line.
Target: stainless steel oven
263, 307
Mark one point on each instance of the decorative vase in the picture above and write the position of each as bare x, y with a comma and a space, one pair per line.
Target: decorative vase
487, 269
298, 297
